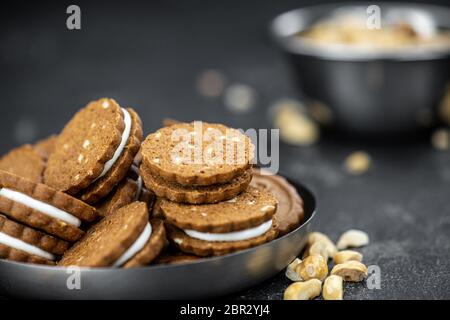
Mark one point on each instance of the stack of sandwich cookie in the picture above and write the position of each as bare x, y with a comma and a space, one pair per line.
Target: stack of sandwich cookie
197, 162
208, 206
94, 151
41, 211
125, 238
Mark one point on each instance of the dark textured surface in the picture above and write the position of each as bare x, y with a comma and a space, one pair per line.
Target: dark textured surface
148, 57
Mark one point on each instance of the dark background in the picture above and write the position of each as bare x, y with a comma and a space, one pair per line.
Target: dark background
149, 55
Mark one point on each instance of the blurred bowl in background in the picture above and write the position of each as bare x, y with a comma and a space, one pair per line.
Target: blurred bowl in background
369, 90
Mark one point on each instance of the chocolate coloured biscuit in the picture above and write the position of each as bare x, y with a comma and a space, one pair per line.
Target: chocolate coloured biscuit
24, 161
195, 194
290, 212
75, 211
123, 194
43, 247
106, 243
46, 146
95, 150
207, 248
197, 153
249, 209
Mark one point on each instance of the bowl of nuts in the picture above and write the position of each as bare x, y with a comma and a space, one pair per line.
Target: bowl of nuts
379, 69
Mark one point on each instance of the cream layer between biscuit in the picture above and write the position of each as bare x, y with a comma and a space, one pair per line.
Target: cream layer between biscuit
25, 247
40, 206
137, 246
231, 236
125, 135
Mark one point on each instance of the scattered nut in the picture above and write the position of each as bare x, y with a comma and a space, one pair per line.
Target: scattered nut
320, 237
357, 163
313, 267
333, 288
353, 271
240, 98
347, 255
352, 239
319, 248
440, 139
303, 290
291, 272
296, 127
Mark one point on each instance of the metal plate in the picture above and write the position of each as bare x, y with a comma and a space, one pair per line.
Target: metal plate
203, 278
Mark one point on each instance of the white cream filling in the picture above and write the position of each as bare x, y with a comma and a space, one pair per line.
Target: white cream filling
137, 246
22, 245
125, 135
231, 236
40, 206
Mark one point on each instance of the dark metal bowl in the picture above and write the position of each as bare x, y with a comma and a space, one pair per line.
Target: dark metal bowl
204, 278
368, 92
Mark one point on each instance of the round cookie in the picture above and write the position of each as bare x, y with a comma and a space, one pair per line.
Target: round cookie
123, 238
23, 244
251, 208
197, 153
95, 150
290, 212
207, 248
195, 194
24, 161
42, 207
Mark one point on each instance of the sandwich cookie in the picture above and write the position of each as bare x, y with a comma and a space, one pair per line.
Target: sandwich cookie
24, 161
40, 207
197, 154
23, 244
195, 194
95, 150
289, 214
125, 238
216, 229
